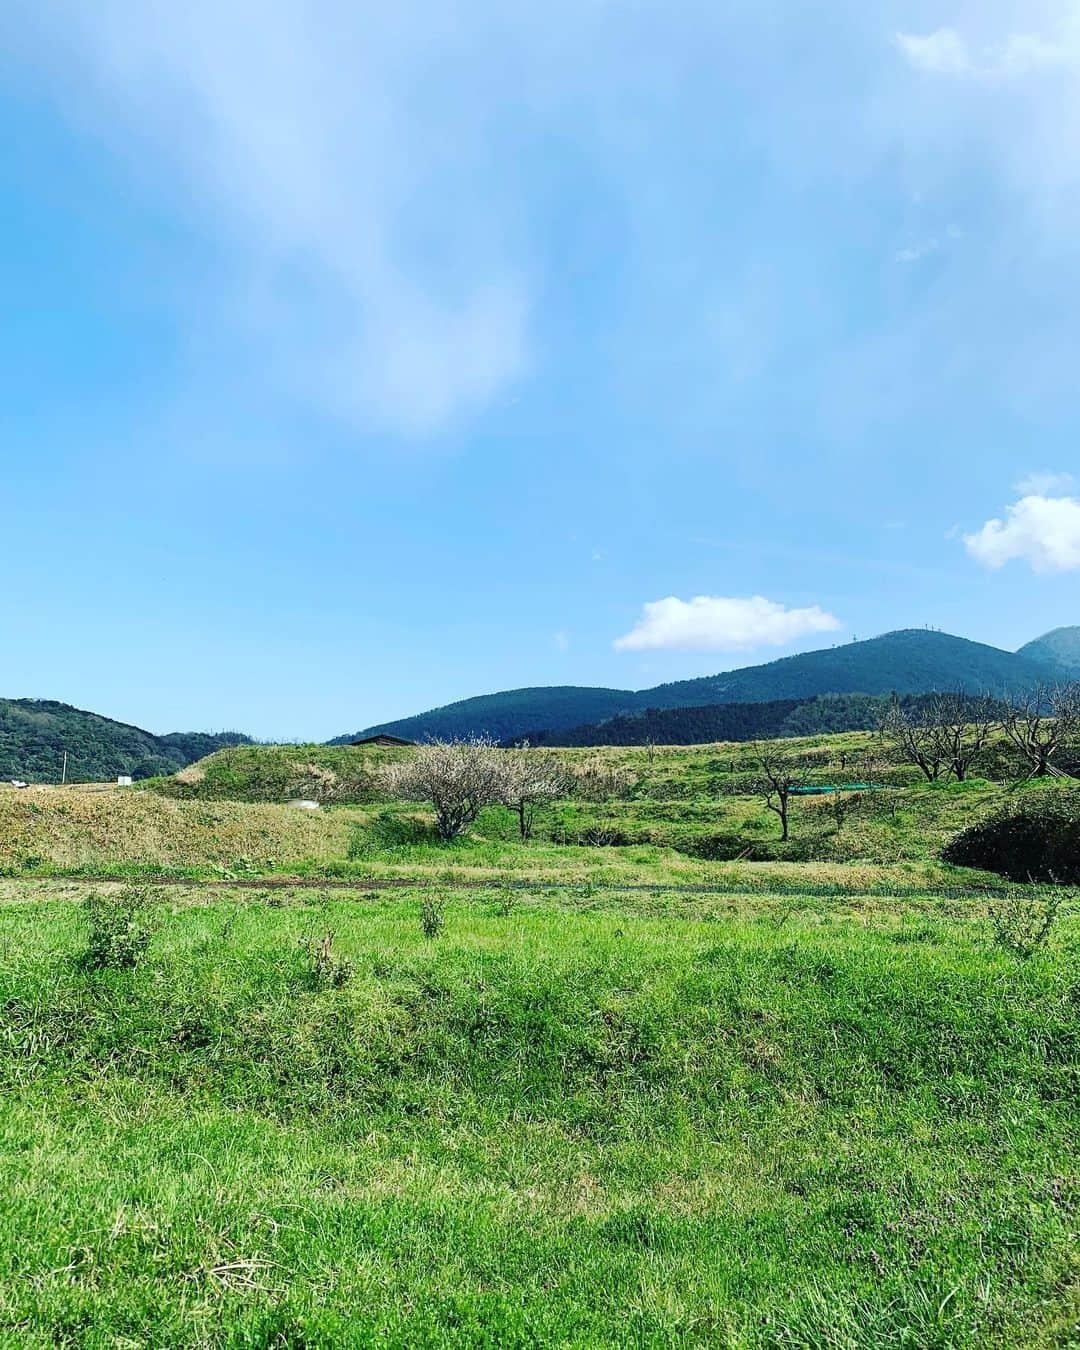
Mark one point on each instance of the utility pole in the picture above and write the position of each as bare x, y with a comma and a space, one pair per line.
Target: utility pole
63, 776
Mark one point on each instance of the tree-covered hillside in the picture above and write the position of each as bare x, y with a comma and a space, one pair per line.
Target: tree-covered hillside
1060, 647
733, 721
35, 733
507, 714
910, 661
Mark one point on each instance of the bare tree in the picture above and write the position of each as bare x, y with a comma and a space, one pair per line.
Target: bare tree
1041, 722
913, 735
532, 777
459, 778
961, 726
782, 774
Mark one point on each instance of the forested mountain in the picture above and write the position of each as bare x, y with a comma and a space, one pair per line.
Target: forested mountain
1060, 647
507, 714
909, 661
35, 733
732, 721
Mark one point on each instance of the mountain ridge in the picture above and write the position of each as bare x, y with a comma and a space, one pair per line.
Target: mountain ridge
1060, 646
905, 661
35, 733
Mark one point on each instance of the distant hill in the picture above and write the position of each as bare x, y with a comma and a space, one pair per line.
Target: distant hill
688, 726
826, 714
1061, 647
35, 733
507, 714
909, 661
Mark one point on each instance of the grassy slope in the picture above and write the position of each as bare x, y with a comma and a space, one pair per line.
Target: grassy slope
87, 829
684, 812
583, 1122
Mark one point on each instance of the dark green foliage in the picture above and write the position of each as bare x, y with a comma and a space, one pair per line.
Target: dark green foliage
35, 733
910, 661
735, 721
678, 726
120, 928
1035, 839
505, 715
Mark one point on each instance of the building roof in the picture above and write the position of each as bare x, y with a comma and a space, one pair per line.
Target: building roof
382, 739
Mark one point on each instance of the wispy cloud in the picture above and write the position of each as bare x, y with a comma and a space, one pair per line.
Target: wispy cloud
324, 147
1040, 530
948, 52
943, 52
1045, 484
722, 623
914, 253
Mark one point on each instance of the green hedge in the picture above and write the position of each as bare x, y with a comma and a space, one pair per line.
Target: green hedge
1036, 839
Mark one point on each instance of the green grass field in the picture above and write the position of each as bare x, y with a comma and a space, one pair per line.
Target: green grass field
618, 1094
565, 1119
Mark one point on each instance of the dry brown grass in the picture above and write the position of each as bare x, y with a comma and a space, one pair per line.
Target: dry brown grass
70, 827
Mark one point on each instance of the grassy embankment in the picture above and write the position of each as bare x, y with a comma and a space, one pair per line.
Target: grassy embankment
660, 816
587, 1119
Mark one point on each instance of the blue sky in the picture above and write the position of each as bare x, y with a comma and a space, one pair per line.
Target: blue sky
354, 362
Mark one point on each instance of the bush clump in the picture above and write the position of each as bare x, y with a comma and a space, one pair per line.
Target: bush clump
120, 929
1036, 840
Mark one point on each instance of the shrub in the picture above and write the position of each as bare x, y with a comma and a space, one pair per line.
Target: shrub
1022, 924
120, 929
1036, 840
599, 779
324, 968
433, 915
387, 831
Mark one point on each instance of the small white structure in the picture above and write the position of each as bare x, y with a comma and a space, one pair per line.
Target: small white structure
305, 804
123, 780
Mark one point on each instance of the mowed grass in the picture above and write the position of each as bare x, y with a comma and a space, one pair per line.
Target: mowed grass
568, 1119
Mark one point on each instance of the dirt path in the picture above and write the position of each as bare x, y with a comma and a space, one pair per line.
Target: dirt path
372, 885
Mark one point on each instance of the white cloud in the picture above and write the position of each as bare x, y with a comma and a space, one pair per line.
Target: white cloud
722, 623
561, 640
1043, 531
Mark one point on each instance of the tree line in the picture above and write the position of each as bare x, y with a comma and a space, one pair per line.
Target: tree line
944, 736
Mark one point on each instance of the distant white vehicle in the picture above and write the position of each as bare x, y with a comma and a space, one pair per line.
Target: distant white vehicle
18, 783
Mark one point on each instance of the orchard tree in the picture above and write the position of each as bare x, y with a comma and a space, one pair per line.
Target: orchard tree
782, 774
961, 726
459, 778
913, 736
1041, 723
533, 777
